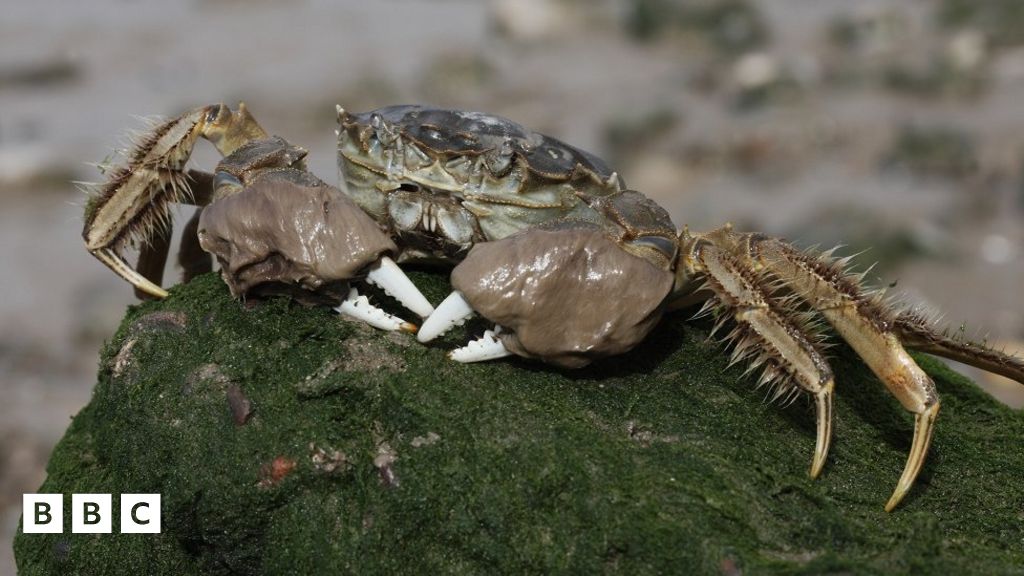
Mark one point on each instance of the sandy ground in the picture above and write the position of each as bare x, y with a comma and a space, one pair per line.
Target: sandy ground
764, 136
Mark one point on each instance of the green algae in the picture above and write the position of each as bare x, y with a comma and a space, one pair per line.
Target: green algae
367, 452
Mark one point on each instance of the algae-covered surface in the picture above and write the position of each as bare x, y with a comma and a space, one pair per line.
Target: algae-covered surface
286, 440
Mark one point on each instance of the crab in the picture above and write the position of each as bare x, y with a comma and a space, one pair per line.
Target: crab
546, 241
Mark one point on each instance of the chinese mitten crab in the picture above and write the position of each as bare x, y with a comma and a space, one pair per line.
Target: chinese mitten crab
547, 244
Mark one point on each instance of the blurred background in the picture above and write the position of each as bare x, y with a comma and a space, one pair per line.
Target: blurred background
889, 125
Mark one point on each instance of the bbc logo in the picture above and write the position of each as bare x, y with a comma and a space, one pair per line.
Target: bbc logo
90, 513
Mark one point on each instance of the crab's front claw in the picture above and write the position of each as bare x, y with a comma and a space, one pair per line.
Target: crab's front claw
452, 312
565, 294
288, 233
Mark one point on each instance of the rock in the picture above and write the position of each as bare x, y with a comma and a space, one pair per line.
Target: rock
659, 461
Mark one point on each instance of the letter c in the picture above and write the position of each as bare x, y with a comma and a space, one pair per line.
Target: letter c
135, 517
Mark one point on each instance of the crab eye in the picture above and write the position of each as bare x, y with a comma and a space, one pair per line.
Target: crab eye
500, 160
386, 132
216, 112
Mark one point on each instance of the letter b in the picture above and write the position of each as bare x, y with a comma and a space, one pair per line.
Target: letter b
42, 513
91, 514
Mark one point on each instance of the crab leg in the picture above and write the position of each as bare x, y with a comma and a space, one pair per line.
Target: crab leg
114, 261
153, 257
916, 334
191, 256
134, 201
866, 327
765, 335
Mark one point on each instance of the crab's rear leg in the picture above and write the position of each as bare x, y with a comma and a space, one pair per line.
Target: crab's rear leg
766, 335
134, 201
865, 325
917, 333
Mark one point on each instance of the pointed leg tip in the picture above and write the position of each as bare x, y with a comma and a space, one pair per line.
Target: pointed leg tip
408, 327
823, 404
923, 429
151, 294
895, 500
116, 263
816, 467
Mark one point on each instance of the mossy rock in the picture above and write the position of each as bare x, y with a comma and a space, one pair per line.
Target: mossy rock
286, 440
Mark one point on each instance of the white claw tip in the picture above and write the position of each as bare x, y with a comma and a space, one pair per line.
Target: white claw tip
359, 308
488, 347
452, 312
390, 278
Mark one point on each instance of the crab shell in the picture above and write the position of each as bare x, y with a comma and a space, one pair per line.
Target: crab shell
443, 180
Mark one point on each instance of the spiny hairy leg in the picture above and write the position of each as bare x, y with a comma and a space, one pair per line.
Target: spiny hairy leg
153, 258
768, 334
865, 324
917, 333
133, 203
191, 258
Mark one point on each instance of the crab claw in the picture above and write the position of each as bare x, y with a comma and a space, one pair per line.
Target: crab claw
390, 278
359, 308
287, 233
557, 292
452, 312
487, 347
